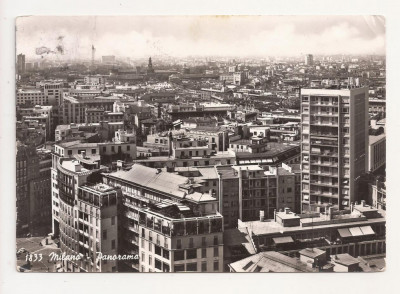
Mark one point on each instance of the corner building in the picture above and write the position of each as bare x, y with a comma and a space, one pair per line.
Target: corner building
167, 222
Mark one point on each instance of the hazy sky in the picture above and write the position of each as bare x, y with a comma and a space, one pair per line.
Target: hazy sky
141, 36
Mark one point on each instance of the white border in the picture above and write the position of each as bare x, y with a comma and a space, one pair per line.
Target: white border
13, 282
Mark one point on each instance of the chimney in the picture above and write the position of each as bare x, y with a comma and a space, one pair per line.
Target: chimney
83, 154
330, 212
261, 215
77, 167
363, 204
351, 207
275, 215
287, 210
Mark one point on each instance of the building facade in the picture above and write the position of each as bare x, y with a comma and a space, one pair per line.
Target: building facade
334, 146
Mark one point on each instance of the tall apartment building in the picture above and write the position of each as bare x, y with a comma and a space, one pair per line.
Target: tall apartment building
84, 211
33, 191
309, 60
334, 146
73, 151
20, 63
167, 222
27, 167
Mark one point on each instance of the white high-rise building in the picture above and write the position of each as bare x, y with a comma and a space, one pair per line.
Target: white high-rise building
334, 146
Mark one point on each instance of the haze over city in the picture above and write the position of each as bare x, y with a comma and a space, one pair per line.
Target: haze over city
69, 38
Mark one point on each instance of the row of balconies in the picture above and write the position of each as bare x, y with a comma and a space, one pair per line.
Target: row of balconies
324, 163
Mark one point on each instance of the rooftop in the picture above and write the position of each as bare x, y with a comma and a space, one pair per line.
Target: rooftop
270, 227
344, 259
270, 261
311, 252
374, 139
239, 237
162, 181
99, 187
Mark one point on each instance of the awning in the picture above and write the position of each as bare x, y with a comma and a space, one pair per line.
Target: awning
283, 240
344, 233
367, 230
356, 231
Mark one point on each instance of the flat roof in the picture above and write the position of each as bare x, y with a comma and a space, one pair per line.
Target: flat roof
331, 92
344, 259
270, 261
374, 139
311, 252
270, 227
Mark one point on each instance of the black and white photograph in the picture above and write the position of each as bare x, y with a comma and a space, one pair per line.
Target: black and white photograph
212, 144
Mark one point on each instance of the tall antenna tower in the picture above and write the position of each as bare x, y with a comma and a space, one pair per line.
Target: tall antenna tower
93, 52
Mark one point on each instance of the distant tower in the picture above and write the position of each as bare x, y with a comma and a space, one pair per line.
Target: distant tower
20, 63
309, 60
93, 52
150, 67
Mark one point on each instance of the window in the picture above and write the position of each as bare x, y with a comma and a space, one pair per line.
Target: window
158, 264
178, 244
165, 254
179, 255
113, 220
93, 151
216, 265
128, 148
143, 233
143, 257
190, 242
104, 148
204, 266
150, 259
69, 152
191, 253
150, 236
191, 267
150, 246
157, 250
215, 251
215, 240
203, 241
166, 268
203, 252
179, 268
105, 234
112, 244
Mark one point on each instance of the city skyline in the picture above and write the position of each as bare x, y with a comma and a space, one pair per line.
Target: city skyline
69, 38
